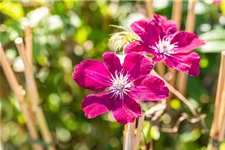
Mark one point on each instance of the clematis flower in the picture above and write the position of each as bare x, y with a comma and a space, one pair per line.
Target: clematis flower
121, 85
160, 38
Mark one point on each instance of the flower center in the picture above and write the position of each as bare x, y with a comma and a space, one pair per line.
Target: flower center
120, 85
164, 46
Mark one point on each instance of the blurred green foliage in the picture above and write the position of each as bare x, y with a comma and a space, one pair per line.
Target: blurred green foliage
65, 33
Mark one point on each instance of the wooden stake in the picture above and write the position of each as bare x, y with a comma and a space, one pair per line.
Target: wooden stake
33, 94
176, 16
149, 8
177, 12
190, 26
160, 67
17, 91
129, 136
139, 131
218, 125
28, 42
29, 52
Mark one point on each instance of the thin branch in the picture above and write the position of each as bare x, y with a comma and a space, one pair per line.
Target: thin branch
182, 118
33, 94
17, 90
178, 94
156, 111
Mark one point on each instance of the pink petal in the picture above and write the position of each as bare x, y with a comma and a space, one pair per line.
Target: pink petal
137, 46
169, 26
92, 74
149, 88
112, 62
139, 27
186, 42
148, 31
188, 63
137, 65
126, 110
96, 104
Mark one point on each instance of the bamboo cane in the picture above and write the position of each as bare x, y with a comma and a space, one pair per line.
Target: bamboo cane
217, 130
190, 26
149, 9
139, 130
33, 94
17, 90
29, 52
176, 16
129, 136
160, 67
28, 42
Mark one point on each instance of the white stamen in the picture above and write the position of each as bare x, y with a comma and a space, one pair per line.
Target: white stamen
120, 84
164, 46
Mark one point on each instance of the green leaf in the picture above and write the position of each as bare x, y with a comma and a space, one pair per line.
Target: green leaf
215, 41
215, 34
213, 47
154, 132
146, 131
175, 104
190, 136
12, 9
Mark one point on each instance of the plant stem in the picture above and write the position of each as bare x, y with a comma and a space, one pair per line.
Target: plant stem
178, 94
17, 91
33, 94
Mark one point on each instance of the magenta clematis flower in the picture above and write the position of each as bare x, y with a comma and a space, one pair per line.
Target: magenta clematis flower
121, 85
160, 38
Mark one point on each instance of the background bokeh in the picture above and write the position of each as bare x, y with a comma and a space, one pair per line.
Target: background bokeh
67, 32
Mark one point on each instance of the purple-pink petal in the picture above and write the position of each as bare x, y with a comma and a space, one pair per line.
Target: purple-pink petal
186, 42
137, 65
148, 31
96, 104
112, 62
139, 27
149, 88
169, 26
126, 110
137, 46
92, 74
188, 63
